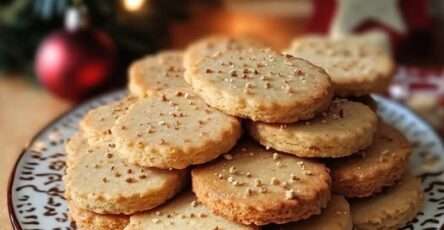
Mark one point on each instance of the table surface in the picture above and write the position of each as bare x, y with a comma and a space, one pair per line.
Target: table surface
24, 109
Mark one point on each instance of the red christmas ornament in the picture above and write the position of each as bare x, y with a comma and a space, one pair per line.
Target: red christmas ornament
73, 62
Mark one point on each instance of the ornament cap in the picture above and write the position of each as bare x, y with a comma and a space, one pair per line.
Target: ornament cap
76, 18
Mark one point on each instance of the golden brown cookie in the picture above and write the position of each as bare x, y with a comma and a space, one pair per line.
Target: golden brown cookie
72, 146
86, 220
355, 67
182, 213
209, 46
379, 166
96, 124
261, 85
252, 185
344, 129
156, 72
336, 216
97, 180
391, 209
174, 129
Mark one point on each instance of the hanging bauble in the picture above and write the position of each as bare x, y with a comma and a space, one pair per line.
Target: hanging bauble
72, 62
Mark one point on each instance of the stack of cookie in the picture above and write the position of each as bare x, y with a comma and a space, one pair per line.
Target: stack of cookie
313, 141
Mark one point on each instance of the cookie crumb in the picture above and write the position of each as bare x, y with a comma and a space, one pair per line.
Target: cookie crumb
194, 203
274, 181
290, 194
248, 192
220, 176
275, 156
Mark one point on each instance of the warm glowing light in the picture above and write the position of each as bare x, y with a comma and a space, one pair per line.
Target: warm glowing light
133, 5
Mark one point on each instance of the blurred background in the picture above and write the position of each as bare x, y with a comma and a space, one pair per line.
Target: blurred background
57, 53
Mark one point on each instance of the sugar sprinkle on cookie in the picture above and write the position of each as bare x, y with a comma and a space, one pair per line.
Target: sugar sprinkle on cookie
344, 129
261, 84
355, 67
256, 187
174, 129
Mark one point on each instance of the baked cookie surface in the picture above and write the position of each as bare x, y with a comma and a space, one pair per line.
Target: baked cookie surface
97, 180
174, 129
182, 213
336, 216
156, 72
97, 123
261, 84
379, 166
252, 185
86, 220
355, 67
211, 45
72, 147
391, 209
344, 129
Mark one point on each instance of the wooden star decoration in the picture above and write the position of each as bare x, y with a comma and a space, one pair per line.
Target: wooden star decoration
352, 13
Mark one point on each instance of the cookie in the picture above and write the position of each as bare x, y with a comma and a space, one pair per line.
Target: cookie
379, 166
252, 185
344, 129
97, 123
72, 146
336, 216
182, 213
86, 220
261, 85
115, 187
355, 67
174, 129
155, 73
209, 46
391, 209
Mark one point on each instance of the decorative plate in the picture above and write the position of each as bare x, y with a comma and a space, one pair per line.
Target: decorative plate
35, 195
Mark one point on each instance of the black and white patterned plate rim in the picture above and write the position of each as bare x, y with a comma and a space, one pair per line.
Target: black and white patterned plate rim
35, 190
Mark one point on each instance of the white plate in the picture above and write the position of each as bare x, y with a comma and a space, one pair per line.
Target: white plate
35, 196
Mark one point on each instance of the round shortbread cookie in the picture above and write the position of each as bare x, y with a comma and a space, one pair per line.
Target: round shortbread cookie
262, 85
86, 220
252, 185
209, 46
182, 213
96, 124
174, 129
391, 209
336, 216
344, 129
155, 73
379, 166
356, 68
97, 180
